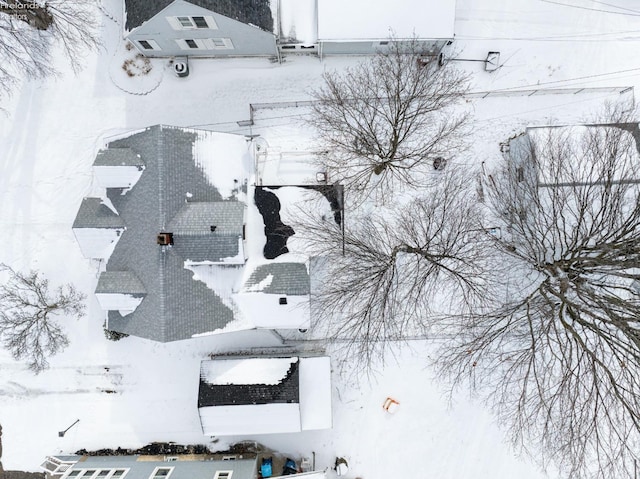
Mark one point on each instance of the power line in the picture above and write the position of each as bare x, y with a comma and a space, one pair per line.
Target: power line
591, 9
571, 37
597, 75
552, 107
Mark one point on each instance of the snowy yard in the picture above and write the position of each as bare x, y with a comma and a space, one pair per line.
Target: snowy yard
132, 392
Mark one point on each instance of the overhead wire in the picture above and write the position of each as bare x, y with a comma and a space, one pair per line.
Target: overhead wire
589, 8
615, 6
577, 37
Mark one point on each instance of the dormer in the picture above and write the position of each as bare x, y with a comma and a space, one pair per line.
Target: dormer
119, 291
118, 168
97, 228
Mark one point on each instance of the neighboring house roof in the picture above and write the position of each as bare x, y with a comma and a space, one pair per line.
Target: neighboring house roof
530, 150
194, 187
193, 466
255, 12
263, 395
343, 20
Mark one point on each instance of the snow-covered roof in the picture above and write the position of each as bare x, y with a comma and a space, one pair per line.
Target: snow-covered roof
269, 371
364, 20
297, 21
315, 393
275, 294
264, 395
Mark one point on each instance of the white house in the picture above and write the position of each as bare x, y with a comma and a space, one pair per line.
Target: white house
169, 28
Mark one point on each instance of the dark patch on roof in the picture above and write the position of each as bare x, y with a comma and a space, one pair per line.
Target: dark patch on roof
93, 213
275, 230
288, 278
255, 12
287, 391
334, 194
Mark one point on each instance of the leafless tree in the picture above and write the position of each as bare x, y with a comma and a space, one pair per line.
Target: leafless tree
28, 307
30, 31
388, 271
385, 121
559, 356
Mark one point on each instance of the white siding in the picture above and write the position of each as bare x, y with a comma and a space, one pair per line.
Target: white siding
117, 176
123, 303
250, 419
97, 243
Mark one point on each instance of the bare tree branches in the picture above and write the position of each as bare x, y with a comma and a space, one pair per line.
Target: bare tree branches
384, 275
559, 358
28, 34
28, 308
383, 122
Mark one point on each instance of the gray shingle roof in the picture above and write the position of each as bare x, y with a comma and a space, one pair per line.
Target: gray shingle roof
214, 248
119, 282
93, 213
176, 307
286, 391
189, 467
197, 218
288, 278
117, 157
193, 238
256, 12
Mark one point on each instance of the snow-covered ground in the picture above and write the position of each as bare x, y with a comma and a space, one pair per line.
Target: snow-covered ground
132, 392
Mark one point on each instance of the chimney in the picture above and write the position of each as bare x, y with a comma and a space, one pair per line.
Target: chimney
165, 239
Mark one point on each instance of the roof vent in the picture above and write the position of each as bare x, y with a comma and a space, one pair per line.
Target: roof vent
283, 300
165, 239
212, 228
181, 67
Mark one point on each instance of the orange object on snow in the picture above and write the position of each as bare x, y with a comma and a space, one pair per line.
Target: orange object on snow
390, 405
